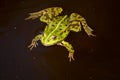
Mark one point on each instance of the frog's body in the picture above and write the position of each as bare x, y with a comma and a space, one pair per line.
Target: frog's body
58, 28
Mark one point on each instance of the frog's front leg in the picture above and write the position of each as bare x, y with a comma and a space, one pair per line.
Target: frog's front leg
69, 48
34, 41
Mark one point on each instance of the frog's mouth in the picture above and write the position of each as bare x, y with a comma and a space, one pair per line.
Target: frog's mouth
49, 44
46, 44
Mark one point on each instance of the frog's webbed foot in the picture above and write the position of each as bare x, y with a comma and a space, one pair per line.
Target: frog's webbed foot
87, 29
33, 15
33, 44
69, 48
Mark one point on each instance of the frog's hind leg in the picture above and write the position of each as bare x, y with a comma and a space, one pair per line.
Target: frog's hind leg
46, 14
76, 19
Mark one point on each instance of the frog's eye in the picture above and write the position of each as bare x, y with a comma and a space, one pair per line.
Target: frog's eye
53, 37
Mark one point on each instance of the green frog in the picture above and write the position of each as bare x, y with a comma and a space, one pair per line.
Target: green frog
58, 27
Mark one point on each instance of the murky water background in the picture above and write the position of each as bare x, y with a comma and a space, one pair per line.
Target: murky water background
96, 58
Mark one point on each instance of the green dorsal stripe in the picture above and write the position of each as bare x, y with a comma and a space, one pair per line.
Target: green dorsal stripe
56, 27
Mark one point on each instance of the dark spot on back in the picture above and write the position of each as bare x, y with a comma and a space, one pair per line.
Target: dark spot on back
73, 25
61, 33
60, 29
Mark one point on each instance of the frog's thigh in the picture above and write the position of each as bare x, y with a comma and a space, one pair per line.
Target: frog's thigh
74, 22
75, 26
49, 13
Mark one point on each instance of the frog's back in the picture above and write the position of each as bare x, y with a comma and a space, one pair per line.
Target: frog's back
58, 27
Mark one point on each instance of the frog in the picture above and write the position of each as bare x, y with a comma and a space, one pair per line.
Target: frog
58, 28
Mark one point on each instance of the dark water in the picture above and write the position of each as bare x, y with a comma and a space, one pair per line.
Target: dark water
96, 58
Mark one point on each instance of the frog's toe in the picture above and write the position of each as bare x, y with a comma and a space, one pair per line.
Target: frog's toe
71, 57
91, 35
32, 45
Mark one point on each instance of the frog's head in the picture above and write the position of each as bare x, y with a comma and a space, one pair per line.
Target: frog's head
49, 40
